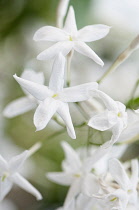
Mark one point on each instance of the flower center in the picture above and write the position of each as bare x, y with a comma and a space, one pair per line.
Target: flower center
77, 175
70, 38
4, 176
113, 199
55, 95
119, 114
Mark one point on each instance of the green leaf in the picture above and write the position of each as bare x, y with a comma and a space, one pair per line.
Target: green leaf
133, 103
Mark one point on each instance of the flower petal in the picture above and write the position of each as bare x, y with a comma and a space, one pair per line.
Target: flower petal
90, 185
19, 106
44, 113
74, 190
95, 157
38, 91
103, 121
33, 76
78, 93
70, 22
93, 32
56, 82
72, 158
17, 162
107, 100
50, 33
118, 173
3, 164
5, 187
135, 172
24, 184
63, 111
61, 178
63, 47
84, 49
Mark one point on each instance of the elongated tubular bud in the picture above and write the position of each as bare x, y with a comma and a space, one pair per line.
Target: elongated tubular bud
122, 57
61, 12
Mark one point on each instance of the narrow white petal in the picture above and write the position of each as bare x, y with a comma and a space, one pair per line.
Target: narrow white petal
61, 178
117, 130
33, 76
56, 82
103, 121
24, 184
17, 162
74, 190
63, 47
118, 173
3, 164
44, 113
38, 91
93, 32
70, 22
84, 49
50, 33
72, 157
135, 172
95, 157
107, 100
78, 93
5, 187
63, 111
19, 106
90, 185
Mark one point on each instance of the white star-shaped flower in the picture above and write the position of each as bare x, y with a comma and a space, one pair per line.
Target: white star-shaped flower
27, 103
70, 38
114, 117
54, 98
127, 185
82, 202
77, 172
9, 175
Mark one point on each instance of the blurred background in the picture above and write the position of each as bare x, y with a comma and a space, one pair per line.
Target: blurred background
19, 19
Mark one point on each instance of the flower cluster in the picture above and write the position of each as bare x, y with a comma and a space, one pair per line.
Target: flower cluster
115, 187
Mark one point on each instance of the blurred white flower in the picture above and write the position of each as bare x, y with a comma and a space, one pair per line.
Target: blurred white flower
126, 191
54, 98
7, 205
77, 172
70, 38
114, 118
27, 103
82, 202
9, 175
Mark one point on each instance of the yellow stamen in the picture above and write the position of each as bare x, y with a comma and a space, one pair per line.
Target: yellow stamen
3, 177
70, 38
114, 199
119, 114
55, 95
77, 175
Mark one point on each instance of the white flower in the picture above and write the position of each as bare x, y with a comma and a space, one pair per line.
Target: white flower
114, 118
82, 202
128, 185
70, 38
9, 175
54, 98
125, 191
27, 103
77, 172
